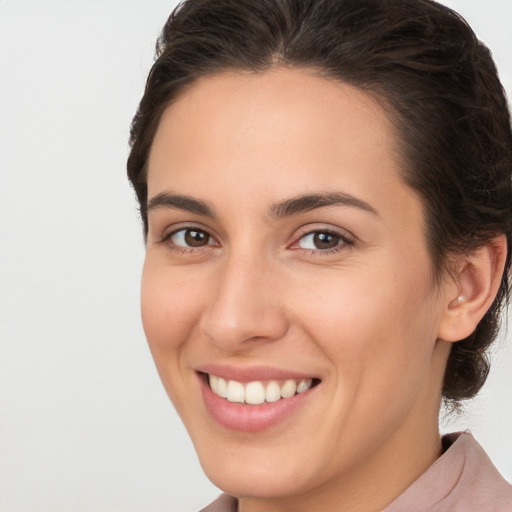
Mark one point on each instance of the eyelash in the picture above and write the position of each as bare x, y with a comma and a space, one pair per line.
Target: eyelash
344, 241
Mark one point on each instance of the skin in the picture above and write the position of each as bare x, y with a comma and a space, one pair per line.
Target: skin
364, 317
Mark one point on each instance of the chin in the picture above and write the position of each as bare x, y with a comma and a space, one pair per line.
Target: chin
255, 481
259, 470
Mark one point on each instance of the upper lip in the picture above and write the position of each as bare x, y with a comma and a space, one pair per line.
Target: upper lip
251, 373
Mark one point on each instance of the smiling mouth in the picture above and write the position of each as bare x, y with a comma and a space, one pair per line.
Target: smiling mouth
258, 392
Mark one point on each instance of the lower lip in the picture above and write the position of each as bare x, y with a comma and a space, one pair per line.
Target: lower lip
250, 418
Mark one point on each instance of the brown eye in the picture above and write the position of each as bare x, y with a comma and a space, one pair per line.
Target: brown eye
325, 240
191, 238
319, 240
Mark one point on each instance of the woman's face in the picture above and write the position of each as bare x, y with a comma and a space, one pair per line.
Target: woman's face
283, 251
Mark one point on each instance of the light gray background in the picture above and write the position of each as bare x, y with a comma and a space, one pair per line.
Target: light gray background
84, 422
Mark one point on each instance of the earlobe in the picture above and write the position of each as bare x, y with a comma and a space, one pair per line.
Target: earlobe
476, 283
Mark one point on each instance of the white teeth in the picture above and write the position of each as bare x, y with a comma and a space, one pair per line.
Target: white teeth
304, 385
222, 387
218, 385
255, 393
289, 389
235, 392
273, 391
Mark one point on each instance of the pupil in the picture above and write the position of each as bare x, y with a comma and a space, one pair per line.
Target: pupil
196, 238
325, 240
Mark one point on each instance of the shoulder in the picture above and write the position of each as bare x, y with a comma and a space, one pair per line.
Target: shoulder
463, 479
480, 486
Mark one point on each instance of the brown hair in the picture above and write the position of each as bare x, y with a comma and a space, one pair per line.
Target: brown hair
421, 59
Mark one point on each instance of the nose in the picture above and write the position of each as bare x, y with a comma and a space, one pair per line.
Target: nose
245, 306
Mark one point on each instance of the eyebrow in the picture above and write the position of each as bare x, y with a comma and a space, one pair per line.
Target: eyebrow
308, 202
180, 202
286, 208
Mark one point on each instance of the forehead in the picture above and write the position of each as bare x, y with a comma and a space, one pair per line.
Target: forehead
281, 116
249, 140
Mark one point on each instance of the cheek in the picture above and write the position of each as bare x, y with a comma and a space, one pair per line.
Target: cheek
379, 343
169, 306
373, 325
168, 314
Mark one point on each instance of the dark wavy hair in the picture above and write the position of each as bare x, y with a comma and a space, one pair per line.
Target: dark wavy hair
422, 62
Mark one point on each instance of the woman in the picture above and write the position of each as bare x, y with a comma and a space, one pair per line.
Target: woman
325, 187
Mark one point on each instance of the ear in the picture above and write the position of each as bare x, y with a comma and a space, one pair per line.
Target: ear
475, 284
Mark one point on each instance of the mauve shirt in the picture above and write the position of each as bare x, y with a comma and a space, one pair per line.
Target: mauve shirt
463, 479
